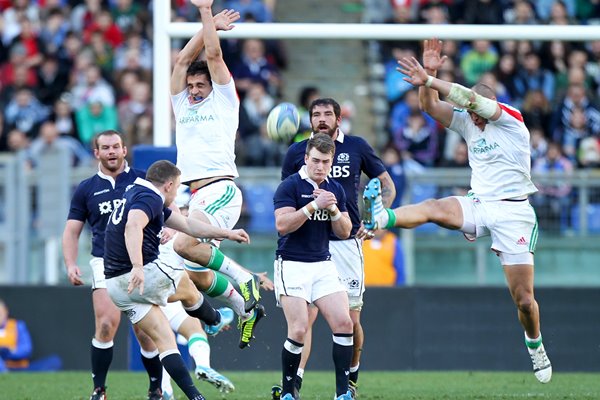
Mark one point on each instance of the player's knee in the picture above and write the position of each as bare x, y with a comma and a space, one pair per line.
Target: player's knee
202, 280
525, 302
298, 332
180, 246
344, 325
105, 330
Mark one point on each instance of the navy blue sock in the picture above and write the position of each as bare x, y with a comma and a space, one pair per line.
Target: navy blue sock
205, 313
175, 366
354, 376
154, 369
101, 359
342, 357
290, 360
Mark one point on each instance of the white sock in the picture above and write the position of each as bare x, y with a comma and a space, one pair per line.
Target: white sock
199, 350
300, 372
166, 382
234, 270
232, 298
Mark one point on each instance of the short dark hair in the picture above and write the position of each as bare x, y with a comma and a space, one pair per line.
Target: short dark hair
109, 132
162, 171
322, 142
198, 68
484, 90
327, 101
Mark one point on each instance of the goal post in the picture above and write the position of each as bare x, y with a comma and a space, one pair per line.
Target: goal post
165, 30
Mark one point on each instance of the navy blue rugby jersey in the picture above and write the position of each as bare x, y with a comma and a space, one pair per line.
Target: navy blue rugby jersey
95, 199
310, 242
142, 196
353, 155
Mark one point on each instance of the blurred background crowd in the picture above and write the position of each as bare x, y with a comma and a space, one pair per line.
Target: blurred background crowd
69, 69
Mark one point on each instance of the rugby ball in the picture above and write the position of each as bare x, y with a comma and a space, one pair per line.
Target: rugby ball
283, 122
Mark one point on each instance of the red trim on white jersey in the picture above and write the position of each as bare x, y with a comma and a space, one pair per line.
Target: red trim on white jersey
513, 112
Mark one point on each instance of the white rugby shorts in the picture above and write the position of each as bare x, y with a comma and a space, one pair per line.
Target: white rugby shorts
307, 280
511, 224
175, 313
98, 279
347, 255
160, 282
220, 201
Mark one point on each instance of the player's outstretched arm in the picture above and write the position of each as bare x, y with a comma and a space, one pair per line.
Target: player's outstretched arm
200, 229
70, 248
219, 72
223, 21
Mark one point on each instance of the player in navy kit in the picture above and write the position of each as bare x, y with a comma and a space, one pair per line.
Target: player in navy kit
93, 201
353, 156
309, 207
138, 281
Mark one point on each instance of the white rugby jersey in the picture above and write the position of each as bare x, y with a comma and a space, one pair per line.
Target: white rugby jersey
205, 133
500, 157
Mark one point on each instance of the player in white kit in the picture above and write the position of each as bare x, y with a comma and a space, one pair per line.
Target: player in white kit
206, 108
497, 205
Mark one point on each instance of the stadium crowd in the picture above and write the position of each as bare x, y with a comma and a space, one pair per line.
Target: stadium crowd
69, 69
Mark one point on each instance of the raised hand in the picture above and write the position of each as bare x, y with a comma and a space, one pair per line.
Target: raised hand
202, 3
415, 74
225, 18
432, 54
239, 235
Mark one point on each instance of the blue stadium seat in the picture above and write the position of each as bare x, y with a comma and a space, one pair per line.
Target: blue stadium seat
259, 201
593, 218
144, 155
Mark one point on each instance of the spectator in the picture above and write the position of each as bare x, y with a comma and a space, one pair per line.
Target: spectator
25, 112
576, 98
417, 140
482, 12
128, 15
460, 159
536, 110
254, 66
54, 31
15, 342
17, 61
571, 135
102, 52
93, 118
531, 76
63, 116
402, 110
392, 159
539, 144
17, 141
94, 87
559, 14
134, 44
553, 199
139, 103
52, 81
50, 139
84, 14
16, 347
384, 260
104, 24
258, 11
395, 86
482, 57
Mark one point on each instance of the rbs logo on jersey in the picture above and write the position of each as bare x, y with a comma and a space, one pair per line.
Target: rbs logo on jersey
320, 215
340, 171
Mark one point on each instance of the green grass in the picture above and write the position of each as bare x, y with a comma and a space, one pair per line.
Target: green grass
319, 386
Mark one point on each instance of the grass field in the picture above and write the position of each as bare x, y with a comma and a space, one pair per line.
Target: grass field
319, 386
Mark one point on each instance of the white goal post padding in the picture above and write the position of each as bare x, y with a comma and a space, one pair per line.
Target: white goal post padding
164, 30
